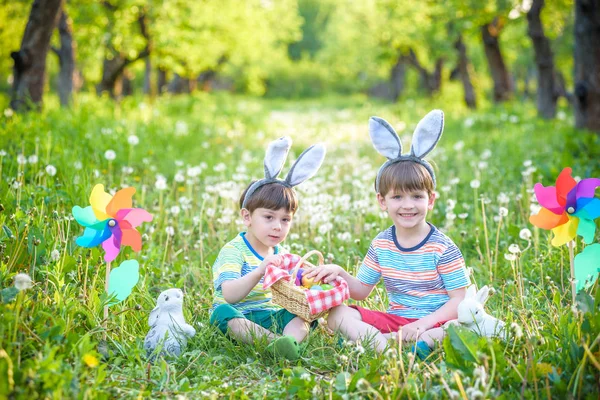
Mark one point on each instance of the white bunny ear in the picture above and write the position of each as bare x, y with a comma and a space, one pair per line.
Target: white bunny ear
276, 154
306, 165
471, 291
153, 316
427, 134
483, 294
384, 138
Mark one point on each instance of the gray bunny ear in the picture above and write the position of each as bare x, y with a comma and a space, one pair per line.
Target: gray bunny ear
276, 154
384, 138
427, 134
153, 316
306, 165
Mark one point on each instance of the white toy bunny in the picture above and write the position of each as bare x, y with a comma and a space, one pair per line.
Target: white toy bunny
167, 323
472, 316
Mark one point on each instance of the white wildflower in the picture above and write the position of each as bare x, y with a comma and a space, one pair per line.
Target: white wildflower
503, 211
525, 234
475, 184
510, 257
458, 146
161, 182
77, 165
55, 255
133, 140
514, 248
32, 159
21, 159
179, 177
175, 210
23, 281
170, 230
110, 155
51, 170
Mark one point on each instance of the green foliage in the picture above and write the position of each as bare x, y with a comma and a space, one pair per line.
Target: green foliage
208, 147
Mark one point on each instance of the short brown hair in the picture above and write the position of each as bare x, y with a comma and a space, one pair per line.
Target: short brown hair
272, 196
405, 176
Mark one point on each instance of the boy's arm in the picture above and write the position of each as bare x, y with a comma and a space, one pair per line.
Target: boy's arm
236, 290
445, 313
328, 273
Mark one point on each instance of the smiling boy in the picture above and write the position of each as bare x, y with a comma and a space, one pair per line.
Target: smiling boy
422, 269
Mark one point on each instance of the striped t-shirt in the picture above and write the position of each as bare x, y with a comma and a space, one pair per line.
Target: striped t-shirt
236, 259
417, 279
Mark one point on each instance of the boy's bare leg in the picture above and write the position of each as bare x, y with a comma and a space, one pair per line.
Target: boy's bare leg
432, 336
348, 321
247, 331
297, 328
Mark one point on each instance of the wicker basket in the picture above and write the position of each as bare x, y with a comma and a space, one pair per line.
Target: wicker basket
292, 297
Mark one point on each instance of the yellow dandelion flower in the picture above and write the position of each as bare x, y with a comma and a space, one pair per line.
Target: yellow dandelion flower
544, 368
90, 360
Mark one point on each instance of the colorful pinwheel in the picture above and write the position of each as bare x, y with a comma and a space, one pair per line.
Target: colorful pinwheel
111, 220
568, 209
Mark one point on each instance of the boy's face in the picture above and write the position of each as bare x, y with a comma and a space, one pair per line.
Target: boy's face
269, 227
407, 209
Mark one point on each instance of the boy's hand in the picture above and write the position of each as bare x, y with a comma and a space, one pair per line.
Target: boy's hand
325, 273
412, 331
274, 259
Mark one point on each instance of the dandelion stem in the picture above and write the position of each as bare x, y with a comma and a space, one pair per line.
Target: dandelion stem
485, 232
497, 241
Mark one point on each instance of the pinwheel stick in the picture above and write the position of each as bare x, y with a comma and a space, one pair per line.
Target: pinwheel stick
106, 291
570, 245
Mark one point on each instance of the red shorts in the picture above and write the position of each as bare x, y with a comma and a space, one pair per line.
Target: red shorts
385, 322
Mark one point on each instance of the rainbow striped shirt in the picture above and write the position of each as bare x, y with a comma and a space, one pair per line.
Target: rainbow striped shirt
236, 259
417, 280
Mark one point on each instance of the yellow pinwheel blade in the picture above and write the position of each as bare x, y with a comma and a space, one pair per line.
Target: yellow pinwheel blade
99, 199
565, 232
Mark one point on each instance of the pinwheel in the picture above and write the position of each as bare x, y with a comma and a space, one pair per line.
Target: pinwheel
111, 221
568, 209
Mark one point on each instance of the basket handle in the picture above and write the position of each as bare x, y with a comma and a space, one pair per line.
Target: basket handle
303, 261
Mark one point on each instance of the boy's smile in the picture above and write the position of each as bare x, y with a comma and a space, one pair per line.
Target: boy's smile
266, 228
407, 210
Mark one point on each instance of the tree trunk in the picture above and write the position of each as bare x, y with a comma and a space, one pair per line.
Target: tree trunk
114, 65
463, 72
397, 77
66, 58
430, 81
29, 72
180, 85
503, 87
161, 81
544, 60
587, 64
127, 83
148, 77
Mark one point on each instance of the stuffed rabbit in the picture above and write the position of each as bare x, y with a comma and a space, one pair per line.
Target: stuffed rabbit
472, 316
167, 323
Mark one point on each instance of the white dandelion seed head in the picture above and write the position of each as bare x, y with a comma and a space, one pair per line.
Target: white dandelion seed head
475, 183
525, 234
51, 170
23, 281
110, 155
514, 248
133, 140
503, 211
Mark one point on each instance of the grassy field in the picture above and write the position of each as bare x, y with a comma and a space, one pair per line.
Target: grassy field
190, 157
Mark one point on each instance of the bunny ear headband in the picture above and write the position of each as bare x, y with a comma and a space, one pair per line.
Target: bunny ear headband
387, 143
305, 167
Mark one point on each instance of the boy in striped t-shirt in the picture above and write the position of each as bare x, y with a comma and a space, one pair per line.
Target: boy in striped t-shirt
241, 307
422, 269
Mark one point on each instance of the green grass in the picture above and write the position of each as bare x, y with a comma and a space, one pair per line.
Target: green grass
208, 147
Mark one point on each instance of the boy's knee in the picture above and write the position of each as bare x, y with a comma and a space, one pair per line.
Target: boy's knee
334, 319
222, 315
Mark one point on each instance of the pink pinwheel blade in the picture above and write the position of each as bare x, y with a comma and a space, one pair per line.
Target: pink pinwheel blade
548, 198
112, 246
135, 216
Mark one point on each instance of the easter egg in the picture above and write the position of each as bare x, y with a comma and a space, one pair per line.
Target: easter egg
326, 286
307, 282
298, 281
316, 287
